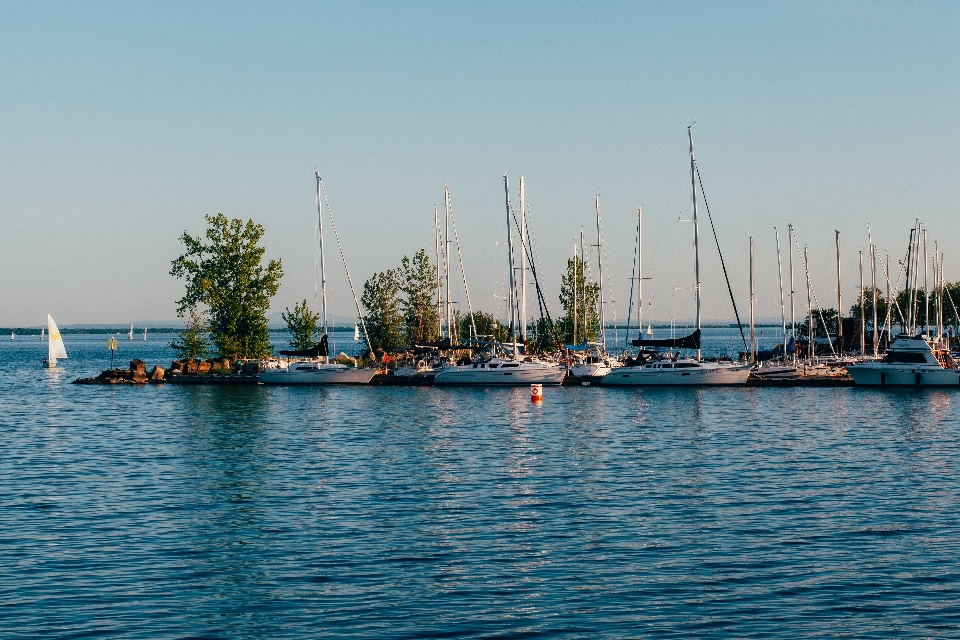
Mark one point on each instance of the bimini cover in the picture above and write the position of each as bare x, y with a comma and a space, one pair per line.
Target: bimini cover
318, 351
691, 341
577, 347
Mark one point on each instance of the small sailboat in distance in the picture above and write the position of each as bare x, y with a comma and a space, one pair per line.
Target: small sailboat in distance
55, 348
130, 335
12, 333
144, 333
356, 332
41, 334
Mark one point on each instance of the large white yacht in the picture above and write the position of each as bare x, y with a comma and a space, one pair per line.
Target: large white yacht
501, 372
910, 362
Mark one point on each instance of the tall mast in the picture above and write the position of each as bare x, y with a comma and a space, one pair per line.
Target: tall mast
793, 316
575, 265
783, 319
889, 301
863, 319
439, 283
806, 269
323, 279
909, 299
446, 256
639, 273
696, 230
839, 302
603, 335
873, 286
753, 331
926, 290
583, 291
510, 298
523, 264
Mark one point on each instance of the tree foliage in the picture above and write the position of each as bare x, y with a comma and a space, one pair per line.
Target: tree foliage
302, 324
384, 317
192, 342
583, 304
225, 273
419, 304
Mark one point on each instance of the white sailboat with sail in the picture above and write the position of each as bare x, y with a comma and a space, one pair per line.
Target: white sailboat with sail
313, 366
658, 371
55, 348
130, 335
41, 334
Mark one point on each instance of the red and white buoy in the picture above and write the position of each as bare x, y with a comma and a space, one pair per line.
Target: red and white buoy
536, 393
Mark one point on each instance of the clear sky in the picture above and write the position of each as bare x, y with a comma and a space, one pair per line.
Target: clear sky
122, 124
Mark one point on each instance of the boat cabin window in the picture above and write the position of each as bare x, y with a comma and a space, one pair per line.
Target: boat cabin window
685, 365
493, 366
509, 364
474, 365
910, 357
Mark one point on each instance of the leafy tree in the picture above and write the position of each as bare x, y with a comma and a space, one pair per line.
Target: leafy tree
584, 303
828, 316
192, 342
302, 324
419, 285
868, 308
486, 323
384, 319
226, 274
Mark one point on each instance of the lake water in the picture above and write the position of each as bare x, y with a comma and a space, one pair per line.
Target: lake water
397, 512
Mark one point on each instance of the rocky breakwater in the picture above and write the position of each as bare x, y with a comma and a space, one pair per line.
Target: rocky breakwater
136, 374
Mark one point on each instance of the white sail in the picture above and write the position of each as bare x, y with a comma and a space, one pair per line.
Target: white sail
130, 337
356, 332
54, 341
144, 333
41, 334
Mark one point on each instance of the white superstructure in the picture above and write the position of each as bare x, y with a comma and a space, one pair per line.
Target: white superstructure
910, 362
310, 372
679, 373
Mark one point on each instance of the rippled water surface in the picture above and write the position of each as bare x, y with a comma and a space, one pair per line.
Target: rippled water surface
430, 512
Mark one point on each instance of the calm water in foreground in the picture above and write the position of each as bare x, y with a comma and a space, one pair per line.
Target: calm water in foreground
424, 512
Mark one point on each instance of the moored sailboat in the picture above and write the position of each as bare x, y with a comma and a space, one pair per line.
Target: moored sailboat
316, 368
656, 371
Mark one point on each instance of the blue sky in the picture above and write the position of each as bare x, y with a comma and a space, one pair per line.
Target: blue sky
122, 124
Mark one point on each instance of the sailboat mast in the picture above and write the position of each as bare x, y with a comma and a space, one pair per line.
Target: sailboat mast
863, 319
783, 318
603, 335
446, 256
510, 297
696, 230
323, 278
873, 285
793, 314
639, 274
806, 269
523, 264
439, 285
926, 290
839, 301
753, 331
575, 304
583, 290
889, 302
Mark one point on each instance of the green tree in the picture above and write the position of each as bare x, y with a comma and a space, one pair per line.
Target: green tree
192, 342
302, 324
384, 319
225, 273
419, 305
868, 308
584, 303
487, 326
828, 316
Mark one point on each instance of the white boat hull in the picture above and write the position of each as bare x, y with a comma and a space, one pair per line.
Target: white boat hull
703, 375
325, 374
467, 375
886, 375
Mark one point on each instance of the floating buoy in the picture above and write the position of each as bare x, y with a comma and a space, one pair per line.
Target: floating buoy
536, 393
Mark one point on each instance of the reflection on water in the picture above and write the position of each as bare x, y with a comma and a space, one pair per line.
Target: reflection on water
416, 512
